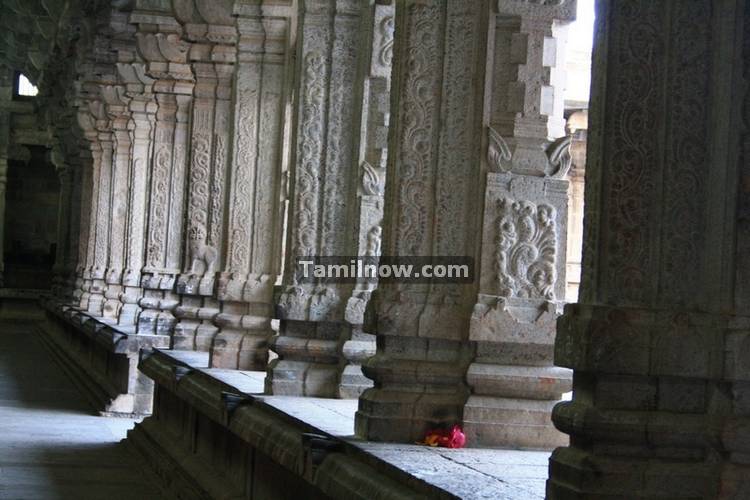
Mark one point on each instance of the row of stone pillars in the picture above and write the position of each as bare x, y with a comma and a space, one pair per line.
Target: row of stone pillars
223, 140
475, 164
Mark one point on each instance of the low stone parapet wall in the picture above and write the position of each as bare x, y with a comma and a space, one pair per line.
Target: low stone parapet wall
101, 358
214, 434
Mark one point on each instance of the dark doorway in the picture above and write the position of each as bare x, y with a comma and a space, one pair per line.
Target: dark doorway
31, 204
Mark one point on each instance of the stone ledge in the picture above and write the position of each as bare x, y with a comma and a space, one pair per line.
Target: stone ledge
101, 358
202, 413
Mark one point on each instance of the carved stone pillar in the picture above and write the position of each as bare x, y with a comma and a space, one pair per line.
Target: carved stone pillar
372, 140
660, 338
80, 290
160, 45
336, 198
91, 178
75, 228
142, 108
119, 115
64, 223
522, 280
103, 156
432, 208
210, 28
6, 94
252, 257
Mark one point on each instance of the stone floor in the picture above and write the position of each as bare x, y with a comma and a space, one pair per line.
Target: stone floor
51, 445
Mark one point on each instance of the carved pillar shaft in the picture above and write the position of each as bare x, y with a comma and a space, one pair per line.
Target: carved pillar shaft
336, 198
432, 208
64, 224
80, 293
256, 207
117, 109
160, 45
6, 94
3, 185
103, 221
659, 340
213, 66
522, 279
75, 227
164, 240
143, 112
87, 123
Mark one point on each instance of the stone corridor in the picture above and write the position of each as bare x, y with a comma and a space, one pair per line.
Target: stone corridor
52, 444
178, 161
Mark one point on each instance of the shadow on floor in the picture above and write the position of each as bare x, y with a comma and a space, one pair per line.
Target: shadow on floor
52, 446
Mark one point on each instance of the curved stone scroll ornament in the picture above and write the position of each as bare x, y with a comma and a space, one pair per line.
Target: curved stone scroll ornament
498, 152
372, 181
526, 249
385, 56
560, 160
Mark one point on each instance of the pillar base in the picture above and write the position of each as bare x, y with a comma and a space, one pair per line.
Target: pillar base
659, 406
301, 378
240, 350
576, 473
511, 423
310, 360
353, 382
405, 417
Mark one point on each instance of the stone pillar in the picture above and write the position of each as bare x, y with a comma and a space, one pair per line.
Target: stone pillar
119, 116
206, 23
103, 157
337, 190
64, 222
160, 45
376, 42
6, 94
522, 281
143, 113
660, 338
252, 256
92, 157
80, 291
577, 126
75, 228
432, 208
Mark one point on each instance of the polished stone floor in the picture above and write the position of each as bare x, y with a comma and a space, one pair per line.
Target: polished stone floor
51, 444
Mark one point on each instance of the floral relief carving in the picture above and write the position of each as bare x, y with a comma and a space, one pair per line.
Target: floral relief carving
199, 179
339, 151
420, 86
217, 191
310, 154
526, 249
455, 185
160, 189
246, 152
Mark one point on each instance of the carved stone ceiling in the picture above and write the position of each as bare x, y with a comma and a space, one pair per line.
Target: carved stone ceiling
33, 31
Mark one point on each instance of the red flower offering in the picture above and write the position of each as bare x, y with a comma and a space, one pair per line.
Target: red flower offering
445, 438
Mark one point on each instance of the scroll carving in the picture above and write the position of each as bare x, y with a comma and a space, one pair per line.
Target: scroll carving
559, 156
526, 249
372, 180
498, 152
